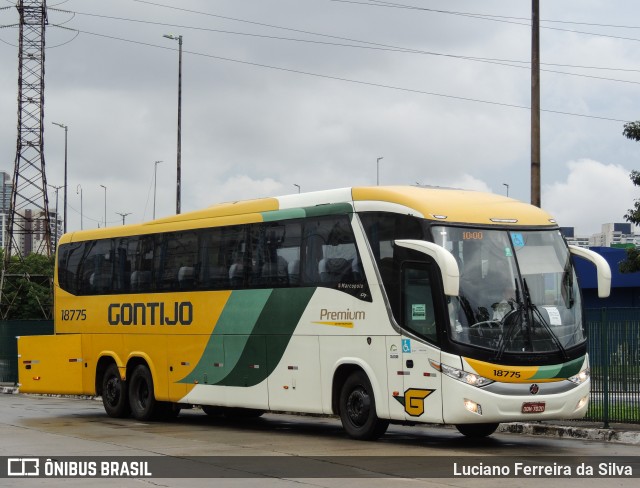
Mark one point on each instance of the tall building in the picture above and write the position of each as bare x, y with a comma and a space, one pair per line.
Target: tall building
32, 221
5, 204
614, 234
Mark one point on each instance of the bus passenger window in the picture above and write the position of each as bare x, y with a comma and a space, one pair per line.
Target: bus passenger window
96, 269
69, 259
331, 257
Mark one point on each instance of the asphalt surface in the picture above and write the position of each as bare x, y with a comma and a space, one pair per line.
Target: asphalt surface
615, 433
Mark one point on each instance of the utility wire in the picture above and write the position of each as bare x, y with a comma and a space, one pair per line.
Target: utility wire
616, 26
379, 3
372, 46
348, 80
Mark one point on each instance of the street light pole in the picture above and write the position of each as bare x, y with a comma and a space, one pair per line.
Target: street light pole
105, 204
507, 188
66, 131
123, 215
378, 171
297, 186
79, 190
155, 174
56, 188
179, 162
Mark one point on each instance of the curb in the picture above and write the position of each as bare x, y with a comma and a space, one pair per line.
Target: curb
571, 432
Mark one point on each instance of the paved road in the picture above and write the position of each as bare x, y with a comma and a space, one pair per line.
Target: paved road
47, 426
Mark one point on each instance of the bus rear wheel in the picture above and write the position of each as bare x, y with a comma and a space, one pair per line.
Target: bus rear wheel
115, 397
358, 409
477, 431
141, 399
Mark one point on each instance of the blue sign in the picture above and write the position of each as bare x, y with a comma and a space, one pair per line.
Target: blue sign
406, 345
517, 239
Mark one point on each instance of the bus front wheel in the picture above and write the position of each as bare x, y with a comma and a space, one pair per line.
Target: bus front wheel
143, 402
358, 409
114, 393
477, 431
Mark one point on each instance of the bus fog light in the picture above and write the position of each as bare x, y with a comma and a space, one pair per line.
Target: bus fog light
472, 406
583, 401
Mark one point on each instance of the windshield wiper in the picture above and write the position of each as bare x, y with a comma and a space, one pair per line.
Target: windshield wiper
520, 318
544, 323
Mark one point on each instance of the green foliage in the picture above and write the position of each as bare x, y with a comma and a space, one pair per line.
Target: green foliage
632, 263
633, 214
27, 292
632, 130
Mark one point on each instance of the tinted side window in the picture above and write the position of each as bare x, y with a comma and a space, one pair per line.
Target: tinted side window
69, 258
96, 268
331, 256
178, 264
275, 254
218, 253
382, 229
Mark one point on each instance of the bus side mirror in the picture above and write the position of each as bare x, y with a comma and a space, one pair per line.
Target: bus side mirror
603, 271
447, 263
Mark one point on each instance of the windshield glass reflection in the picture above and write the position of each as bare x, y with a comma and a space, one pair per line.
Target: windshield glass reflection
518, 290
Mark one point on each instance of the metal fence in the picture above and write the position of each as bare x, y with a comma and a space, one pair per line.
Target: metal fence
614, 351
614, 341
9, 330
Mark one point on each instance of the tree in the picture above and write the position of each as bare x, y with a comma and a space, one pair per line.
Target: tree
632, 130
27, 292
632, 263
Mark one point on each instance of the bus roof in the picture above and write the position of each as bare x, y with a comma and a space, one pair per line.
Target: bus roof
439, 204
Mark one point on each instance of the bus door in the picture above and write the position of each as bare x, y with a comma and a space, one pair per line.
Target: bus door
422, 383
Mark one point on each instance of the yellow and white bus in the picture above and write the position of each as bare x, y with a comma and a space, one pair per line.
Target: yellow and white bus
377, 304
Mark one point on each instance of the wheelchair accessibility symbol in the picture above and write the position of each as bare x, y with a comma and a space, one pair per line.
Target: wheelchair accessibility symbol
406, 345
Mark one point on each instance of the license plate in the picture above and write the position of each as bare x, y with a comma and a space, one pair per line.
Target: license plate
533, 407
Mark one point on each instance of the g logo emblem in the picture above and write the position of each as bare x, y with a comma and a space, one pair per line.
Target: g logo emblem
413, 401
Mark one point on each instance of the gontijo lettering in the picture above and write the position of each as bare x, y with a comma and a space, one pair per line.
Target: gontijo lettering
151, 313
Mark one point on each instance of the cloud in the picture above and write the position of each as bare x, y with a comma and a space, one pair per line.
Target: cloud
593, 194
464, 182
242, 187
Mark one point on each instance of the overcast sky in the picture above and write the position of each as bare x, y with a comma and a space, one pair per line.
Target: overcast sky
278, 93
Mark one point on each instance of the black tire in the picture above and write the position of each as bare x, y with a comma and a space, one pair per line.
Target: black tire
144, 405
115, 397
477, 431
358, 409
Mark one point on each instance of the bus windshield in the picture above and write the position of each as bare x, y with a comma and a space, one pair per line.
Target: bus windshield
518, 290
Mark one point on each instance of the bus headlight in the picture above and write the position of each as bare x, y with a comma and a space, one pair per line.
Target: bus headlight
581, 377
468, 378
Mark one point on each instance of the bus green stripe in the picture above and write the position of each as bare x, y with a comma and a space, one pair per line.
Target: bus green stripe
237, 320
270, 337
571, 368
293, 213
565, 370
307, 212
329, 209
250, 337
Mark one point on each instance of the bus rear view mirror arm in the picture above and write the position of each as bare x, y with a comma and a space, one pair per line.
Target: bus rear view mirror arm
445, 260
603, 270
